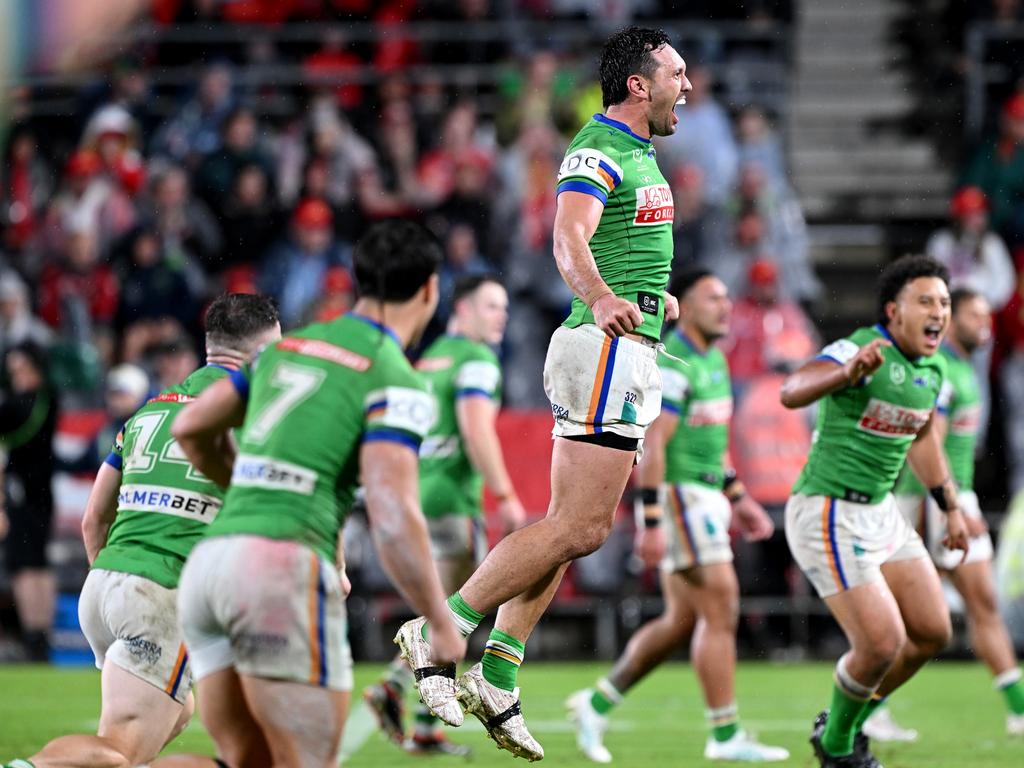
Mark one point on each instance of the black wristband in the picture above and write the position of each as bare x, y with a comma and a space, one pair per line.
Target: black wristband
729, 478
647, 495
939, 494
652, 522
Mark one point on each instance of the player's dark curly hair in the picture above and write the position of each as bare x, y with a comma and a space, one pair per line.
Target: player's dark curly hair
233, 320
901, 272
628, 53
682, 282
394, 259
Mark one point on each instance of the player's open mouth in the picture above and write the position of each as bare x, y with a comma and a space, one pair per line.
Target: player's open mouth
932, 333
681, 100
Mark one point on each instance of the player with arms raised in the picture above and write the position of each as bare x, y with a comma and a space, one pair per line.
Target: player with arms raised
459, 455
613, 247
958, 419
260, 601
687, 446
878, 390
147, 509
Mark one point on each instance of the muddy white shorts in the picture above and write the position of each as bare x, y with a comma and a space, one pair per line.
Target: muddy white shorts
842, 544
697, 527
270, 609
599, 384
458, 537
923, 514
133, 622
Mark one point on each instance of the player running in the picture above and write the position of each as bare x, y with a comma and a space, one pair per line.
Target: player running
147, 509
613, 247
260, 600
685, 460
459, 455
958, 419
878, 389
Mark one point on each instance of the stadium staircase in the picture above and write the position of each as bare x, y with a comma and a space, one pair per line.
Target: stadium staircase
870, 191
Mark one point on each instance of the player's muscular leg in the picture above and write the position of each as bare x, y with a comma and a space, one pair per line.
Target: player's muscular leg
714, 593
225, 713
870, 618
302, 723
658, 638
989, 638
918, 592
80, 751
586, 484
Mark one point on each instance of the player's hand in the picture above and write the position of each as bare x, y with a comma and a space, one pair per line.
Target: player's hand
446, 642
957, 536
616, 316
754, 523
346, 583
649, 545
671, 307
868, 359
976, 526
513, 515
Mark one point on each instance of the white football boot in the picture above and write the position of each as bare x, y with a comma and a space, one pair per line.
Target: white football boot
590, 726
499, 711
436, 684
743, 747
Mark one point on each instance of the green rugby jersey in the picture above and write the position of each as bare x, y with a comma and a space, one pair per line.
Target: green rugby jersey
699, 391
454, 367
313, 398
164, 505
632, 245
864, 432
960, 402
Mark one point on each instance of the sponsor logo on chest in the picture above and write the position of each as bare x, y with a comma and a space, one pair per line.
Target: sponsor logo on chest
432, 364
653, 205
709, 413
890, 420
965, 421
165, 500
272, 474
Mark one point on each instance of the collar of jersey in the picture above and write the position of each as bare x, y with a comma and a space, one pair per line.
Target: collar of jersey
689, 342
885, 332
620, 126
379, 326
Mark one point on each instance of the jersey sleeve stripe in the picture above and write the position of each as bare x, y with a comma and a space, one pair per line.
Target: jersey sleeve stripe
584, 187
670, 407
387, 435
115, 461
472, 392
613, 178
829, 358
240, 382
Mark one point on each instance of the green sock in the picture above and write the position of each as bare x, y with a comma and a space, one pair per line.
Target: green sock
501, 660
605, 697
465, 618
1009, 684
875, 703
724, 721
426, 723
837, 739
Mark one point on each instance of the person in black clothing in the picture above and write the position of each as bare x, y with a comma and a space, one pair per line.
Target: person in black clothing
28, 419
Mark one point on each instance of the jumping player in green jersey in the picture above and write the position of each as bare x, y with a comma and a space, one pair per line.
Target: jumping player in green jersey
147, 509
958, 419
260, 600
613, 246
686, 460
878, 390
459, 455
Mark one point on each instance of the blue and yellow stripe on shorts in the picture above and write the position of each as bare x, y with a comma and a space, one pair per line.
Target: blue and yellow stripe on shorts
602, 384
828, 532
679, 504
317, 645
177, 672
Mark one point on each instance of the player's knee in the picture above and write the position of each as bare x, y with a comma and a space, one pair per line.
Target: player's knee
880, 649
583, 541
934, 635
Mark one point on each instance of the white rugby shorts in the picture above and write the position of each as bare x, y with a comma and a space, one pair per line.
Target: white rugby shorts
842, 544
132, 622
270, 609
924, 515
697, 527
458, 537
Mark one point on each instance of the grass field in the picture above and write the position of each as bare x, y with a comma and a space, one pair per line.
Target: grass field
953, 705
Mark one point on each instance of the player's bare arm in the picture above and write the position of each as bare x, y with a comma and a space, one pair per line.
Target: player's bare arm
100, 510
650, 474
202, 430
390, 476
753, 522
818, 378
576, 220
928, 460
476, 417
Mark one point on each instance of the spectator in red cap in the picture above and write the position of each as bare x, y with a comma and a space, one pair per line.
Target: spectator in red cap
976, 256
295, 270
998, 169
